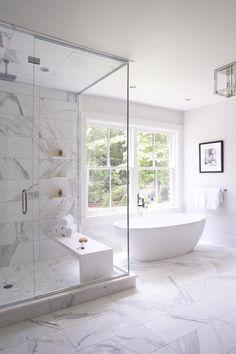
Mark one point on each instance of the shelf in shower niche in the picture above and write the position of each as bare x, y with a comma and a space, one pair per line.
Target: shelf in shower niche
63, 196
60, 158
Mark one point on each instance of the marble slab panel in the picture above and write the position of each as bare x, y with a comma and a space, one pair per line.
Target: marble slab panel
12, 212
16, 125
49, 187
16, 242
12, 168
55, 129
11, 190
57, 208
56, 168
14, 147
55, 109
17, 104
49, 148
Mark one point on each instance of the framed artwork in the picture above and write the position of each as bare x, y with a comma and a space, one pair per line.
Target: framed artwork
211, 157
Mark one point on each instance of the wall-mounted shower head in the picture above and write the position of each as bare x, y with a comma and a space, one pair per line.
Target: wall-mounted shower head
5, 76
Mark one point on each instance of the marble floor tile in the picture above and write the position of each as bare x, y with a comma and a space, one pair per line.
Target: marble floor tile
26, 330
178, 323
218, 337
106, 325
147, 309
219, 304
57, 344
79, 314
183, 305
135, 341
166, 350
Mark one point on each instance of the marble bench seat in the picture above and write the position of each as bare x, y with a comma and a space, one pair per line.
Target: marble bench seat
95, 260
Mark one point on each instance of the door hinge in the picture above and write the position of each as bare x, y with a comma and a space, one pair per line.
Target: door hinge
34, 60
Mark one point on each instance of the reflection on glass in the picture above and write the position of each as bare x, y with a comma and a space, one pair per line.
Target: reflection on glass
145, 149
119, 188
97, 146
162, 150
118, 147
146, 185
163, 186
98, 189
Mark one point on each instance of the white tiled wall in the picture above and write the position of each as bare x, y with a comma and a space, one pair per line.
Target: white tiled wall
50, 117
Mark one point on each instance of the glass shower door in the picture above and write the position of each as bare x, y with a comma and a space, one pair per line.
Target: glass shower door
17, 191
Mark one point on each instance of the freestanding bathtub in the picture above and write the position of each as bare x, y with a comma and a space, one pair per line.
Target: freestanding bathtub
158, 236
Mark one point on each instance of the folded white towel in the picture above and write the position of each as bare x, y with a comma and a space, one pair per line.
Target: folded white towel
57, 230
201, 198
215, 197
66, 232
66, 221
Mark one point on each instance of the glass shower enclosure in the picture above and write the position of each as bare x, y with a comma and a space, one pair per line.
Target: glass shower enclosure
63, 165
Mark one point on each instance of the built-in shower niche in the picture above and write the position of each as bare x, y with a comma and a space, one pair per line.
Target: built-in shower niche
43, 153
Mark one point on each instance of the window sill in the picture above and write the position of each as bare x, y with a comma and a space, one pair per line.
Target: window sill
123, 211
104, 212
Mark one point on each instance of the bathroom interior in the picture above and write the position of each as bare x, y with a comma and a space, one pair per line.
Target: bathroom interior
106, 196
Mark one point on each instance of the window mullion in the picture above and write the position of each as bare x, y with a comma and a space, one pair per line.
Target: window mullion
109, 164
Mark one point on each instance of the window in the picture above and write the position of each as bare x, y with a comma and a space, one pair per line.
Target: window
153, 164
152, 172
106, 159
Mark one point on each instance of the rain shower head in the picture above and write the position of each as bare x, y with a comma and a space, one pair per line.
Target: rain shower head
5, 76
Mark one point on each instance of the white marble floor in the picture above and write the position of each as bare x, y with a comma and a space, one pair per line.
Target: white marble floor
38, 278
183, 305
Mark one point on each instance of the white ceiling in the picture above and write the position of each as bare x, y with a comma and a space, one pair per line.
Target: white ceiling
176, 44
68, 69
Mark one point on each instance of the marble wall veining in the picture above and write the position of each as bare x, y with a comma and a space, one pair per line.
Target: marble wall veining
32, 130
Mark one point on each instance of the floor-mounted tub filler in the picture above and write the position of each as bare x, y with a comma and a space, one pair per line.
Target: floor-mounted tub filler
154, 237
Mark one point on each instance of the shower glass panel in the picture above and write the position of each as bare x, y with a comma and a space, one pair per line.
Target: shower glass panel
16, 166
63, 169
104, 185
63, 77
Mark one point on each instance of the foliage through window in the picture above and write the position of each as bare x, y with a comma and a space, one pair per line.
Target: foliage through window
107, 164
154, 172
107, 175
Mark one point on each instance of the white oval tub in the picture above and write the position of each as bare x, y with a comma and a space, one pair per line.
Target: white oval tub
158, 236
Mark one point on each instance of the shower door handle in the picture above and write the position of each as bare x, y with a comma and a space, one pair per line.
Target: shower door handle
24, 201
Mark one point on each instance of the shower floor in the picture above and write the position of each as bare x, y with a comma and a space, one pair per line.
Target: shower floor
38, 278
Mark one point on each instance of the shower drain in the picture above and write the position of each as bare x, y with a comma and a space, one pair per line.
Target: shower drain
8, 286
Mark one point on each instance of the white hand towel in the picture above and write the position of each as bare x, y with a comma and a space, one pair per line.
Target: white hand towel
66, 221
214, 198
201, 198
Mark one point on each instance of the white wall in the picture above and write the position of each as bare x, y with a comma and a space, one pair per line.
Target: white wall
137, 110
211, 123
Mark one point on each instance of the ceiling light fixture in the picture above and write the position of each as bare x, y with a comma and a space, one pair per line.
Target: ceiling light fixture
187, 99
225, 80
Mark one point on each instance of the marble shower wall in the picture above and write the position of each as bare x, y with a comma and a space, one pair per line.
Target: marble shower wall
33, 164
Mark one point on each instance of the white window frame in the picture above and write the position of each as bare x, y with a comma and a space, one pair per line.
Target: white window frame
136, 125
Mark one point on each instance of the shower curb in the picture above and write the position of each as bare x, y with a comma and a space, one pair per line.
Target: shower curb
44, 305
